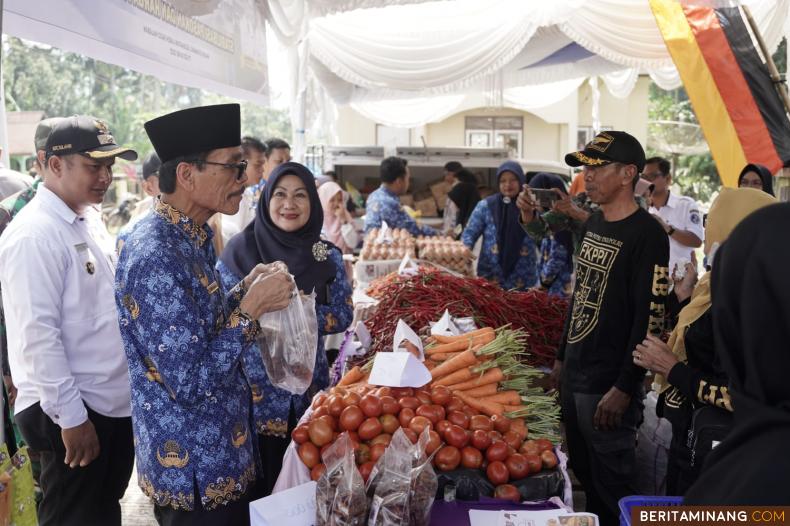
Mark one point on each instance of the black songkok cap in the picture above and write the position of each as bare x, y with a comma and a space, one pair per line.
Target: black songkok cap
195, 130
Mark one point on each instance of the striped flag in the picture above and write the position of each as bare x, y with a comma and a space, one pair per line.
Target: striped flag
739, 110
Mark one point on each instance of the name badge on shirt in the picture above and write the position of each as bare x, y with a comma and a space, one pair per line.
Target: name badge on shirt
86, 257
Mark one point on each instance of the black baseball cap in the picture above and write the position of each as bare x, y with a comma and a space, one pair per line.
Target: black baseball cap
195, 130
85, 135
609, 147
43, 129
151, 165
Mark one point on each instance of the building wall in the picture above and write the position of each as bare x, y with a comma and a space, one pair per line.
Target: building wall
541, 140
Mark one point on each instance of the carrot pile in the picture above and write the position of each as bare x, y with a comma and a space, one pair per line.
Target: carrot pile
422, 298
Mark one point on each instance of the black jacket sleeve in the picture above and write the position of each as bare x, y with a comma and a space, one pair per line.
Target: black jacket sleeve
649, 285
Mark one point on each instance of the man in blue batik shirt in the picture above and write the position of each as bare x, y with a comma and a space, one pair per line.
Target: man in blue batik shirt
184, 334
383, 204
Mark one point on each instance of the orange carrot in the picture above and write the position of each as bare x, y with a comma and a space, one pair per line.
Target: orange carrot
464, 359
487, 408
443, 356
461, 375
461, 344
493, 375
505, 397
510, 408
351, 377
486, 391
473, 334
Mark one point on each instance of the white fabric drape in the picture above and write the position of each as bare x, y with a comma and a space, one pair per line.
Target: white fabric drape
621, 83
428, 45
541, 95
410, 113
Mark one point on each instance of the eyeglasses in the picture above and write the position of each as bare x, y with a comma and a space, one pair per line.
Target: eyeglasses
240, 166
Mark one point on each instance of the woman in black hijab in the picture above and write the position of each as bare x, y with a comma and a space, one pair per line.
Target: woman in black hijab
751, 320
758, 177
287, 228
465, 196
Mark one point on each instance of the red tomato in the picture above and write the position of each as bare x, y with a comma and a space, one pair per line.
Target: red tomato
442, 427
544, 444
434, 441
447, 458
409, 402
495, 435
405, 416
411, 435
354, 438
535, 463
549, 459
370, 405
317, 471
423, 397
497, 473
456, 436
319, 412
351, 399
300, 434
481, 440
459, 418
335, 405
384, 438
512, 439
434, 413
400, 392
440, 395
362, 454
338, 390
389, 423
530, 447
365, 469
384, 391
376, 451
309, 454
418, 423
480, 422
455, 404
351, 418
369, 428
507, 492
469, 411
501, 423
517, 466
496, 451
471, 458
389, 406
320, 432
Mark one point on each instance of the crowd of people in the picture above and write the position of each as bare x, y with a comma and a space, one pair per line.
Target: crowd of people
144, 349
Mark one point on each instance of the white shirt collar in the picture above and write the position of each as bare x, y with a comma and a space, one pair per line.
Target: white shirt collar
672, 201
56, 204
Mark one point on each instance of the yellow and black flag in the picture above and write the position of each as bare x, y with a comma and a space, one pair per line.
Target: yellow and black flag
741, 114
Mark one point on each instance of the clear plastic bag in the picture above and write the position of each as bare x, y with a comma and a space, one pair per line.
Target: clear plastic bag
424, 483
288, 341
340, 495
389, 505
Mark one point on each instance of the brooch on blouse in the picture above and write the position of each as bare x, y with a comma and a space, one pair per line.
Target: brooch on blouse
320, 251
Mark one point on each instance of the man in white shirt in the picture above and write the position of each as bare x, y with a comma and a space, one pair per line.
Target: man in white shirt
262, 158
57, 267
679, 215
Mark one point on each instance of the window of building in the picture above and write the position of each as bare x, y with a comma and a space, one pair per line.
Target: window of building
495, 132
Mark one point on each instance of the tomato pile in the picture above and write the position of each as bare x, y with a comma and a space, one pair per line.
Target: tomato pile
459, 435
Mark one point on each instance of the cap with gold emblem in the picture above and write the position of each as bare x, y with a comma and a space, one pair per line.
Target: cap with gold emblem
609, 147
87, 136
43, 129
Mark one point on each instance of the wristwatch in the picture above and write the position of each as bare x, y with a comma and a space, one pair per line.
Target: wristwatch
671, 230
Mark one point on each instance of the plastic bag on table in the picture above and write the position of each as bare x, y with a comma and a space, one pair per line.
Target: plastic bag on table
340, 496
288, 341
390, 484
424, 483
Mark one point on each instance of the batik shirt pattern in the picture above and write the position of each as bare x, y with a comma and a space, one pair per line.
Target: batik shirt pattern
384, 206
184, 337
556, 267
271, 405
525, 273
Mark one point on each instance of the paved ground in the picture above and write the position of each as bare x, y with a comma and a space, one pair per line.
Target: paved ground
136, 508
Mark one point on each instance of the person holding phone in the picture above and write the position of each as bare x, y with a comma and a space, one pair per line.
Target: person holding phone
508, 255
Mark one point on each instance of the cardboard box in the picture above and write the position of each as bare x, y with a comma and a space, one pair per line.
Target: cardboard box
407, 199
439, 192
427, 207
366, 271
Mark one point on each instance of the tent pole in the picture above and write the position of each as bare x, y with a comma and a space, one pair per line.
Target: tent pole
779, 84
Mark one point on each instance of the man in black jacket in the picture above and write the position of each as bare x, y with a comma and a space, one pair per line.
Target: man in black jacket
621, 283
